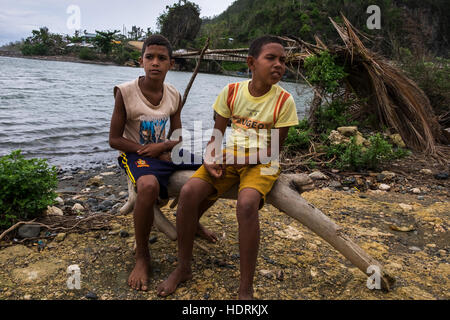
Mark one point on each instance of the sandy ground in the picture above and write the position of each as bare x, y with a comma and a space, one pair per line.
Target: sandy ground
293, 263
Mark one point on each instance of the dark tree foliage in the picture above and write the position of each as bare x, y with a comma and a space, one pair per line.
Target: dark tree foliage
104, 39
180, 23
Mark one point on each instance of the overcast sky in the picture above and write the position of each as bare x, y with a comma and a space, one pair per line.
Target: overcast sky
19, 17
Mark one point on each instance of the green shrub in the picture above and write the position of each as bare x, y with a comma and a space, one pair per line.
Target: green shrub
135, 55
322, 70
354, 157
26, 188
38, 49
298, 137
86, 54
329, 117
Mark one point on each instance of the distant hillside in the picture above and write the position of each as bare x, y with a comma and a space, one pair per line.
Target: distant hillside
420, 25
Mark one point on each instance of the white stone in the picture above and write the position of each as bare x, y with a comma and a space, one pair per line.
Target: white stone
384, 187
388, 175
416, 191
54, 211
107, 173
317, 175
405, 207
60, 201
348, 131
426, 171
77, 207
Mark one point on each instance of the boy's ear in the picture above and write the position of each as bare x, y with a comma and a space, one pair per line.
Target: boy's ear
250, 61
141, 62
172, 63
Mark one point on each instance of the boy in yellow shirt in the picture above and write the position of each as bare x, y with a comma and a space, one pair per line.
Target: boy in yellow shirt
255, 107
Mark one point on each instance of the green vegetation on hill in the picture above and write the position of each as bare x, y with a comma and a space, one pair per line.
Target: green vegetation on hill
423, 24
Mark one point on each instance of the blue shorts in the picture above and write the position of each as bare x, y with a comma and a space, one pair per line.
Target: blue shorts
136, 166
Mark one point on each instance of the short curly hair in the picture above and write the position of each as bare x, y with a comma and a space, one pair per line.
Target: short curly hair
158, 40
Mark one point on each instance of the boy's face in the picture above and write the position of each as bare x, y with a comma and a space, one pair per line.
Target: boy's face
156, 62
270, 65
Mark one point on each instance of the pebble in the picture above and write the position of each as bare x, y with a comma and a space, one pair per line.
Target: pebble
153, 239
317, 175
426, 171
405, 207
420, 198
441, 176
60, 201
77, 207
91, 295
124, 234
413, 248
416, 191
335, 184
384, 187
29, 231
60, 237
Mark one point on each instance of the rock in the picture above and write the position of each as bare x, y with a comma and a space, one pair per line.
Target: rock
107, 204
77, 207
91, 295
266, 273
54, 211
397, 140
105, 174
335, 184
59, 200
416, 191
384, 187
413, 248
405, 207
29, 231
92, 201
280, 275
441, 176
60, 237
124, 234
96, 181
426, 171
361, 141
336, 138
420, 198
388, 175
123, 194
68, 177
27, 297
348, 131
349, 181
317, 175
153, 239
335, 170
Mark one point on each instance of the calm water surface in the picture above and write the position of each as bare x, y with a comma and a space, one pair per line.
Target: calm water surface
61, 111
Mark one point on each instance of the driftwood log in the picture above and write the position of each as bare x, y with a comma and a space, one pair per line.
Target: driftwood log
285, 196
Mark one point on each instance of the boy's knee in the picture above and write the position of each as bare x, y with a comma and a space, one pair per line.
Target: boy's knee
148, 186
247, 208
188, 191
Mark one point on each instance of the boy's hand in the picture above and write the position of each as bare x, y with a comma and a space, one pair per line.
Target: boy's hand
151, 150
215, 170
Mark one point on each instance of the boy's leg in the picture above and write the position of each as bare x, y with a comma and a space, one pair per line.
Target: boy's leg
193, 200
247, 215
147, 195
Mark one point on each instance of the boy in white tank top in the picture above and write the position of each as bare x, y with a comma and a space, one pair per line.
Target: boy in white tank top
143, 108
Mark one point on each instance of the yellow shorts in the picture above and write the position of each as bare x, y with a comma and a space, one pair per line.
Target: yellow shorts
260, 177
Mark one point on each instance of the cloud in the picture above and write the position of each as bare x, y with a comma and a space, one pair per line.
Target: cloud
19, 17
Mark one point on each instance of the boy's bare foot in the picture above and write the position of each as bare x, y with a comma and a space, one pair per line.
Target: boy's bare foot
206, 234
138, 278
177, 276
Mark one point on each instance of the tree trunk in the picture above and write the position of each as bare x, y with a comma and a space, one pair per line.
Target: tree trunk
285, 196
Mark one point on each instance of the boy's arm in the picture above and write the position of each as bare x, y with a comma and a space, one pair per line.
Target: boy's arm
215, 170
118, 121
